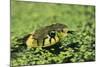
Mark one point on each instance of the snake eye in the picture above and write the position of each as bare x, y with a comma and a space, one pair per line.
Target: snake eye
52, 34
